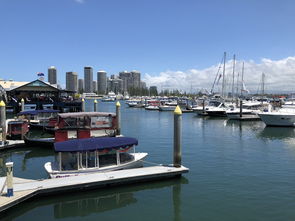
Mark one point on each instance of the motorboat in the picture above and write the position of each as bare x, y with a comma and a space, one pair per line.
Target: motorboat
201, 109
94, 155
249, 110
283, 117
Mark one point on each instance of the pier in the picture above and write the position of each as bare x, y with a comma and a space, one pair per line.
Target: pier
25, 189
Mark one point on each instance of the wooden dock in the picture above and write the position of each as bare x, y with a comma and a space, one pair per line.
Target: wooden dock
25, 189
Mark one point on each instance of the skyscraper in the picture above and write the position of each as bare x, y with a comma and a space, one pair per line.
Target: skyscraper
52, 75
80, 86
101, 82
94, 86
71, 81
88, 79
135, 79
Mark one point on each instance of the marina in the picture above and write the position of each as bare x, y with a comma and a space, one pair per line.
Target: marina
219, 150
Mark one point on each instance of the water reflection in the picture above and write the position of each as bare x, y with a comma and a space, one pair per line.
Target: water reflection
280, 133
85, 203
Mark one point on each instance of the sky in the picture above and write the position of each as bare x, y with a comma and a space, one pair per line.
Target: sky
174, 44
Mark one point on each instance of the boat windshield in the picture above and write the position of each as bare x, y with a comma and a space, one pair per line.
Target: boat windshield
87, 160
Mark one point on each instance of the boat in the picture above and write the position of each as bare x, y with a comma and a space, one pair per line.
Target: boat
94, 155
166, 108
75, 125
111, 97
40, 119
16, 128
249, 110
283, 117
152, 105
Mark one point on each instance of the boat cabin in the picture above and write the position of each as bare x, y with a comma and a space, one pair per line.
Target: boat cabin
94, 155
40, 117
84, 125
17, 128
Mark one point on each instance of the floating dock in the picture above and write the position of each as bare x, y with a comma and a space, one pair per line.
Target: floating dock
25, 189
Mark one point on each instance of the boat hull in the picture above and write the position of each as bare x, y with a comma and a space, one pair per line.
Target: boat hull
138, 162
279, 120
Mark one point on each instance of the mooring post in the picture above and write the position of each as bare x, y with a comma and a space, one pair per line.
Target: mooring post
241, 108
3, 120
203, 106
83, 105
9, 179
177, 137
95, 105
22, 104
118, 115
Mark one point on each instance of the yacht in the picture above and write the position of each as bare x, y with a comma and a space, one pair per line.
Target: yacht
283, 117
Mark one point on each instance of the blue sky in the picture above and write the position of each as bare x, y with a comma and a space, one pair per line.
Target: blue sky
152, 36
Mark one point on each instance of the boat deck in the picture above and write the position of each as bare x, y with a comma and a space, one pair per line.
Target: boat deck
25, 189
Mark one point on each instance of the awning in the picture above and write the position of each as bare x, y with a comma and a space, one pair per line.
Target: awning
35, 112
92, 144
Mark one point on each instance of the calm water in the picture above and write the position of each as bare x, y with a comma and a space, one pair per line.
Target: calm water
238, 171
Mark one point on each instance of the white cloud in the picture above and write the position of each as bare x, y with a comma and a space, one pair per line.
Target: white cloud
279, 76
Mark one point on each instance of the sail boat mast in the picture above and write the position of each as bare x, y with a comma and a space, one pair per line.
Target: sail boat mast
223, 76
233, 83
242, 80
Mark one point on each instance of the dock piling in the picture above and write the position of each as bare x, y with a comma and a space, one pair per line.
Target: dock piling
83, 105
3, 120
95, 105
177, 137
203, 106
9, 166
241, 108
118, 115
22, 104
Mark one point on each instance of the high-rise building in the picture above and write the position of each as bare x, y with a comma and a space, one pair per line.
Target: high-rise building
72, 81
94, 86
80, 86
115, 85
52, 75
88, 79
127, 80
135, 79
101, 82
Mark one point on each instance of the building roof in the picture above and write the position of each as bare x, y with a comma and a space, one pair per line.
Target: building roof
10, 85
36, 83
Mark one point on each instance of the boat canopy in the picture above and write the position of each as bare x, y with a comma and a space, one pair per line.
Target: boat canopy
85, 114
35, 112
92, 144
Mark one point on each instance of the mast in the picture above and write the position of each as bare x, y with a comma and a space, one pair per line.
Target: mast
223, 76
242, 80
233, 83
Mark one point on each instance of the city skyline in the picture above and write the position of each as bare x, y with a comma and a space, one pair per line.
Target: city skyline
179, 46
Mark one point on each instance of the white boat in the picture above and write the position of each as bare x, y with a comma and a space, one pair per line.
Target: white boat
94, 155
166, 108
250, 110
200, 110
284, 117
152, 107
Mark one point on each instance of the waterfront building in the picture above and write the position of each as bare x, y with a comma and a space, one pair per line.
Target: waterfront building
72, 81
80, 86
88, 79
52, 75
101, 82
